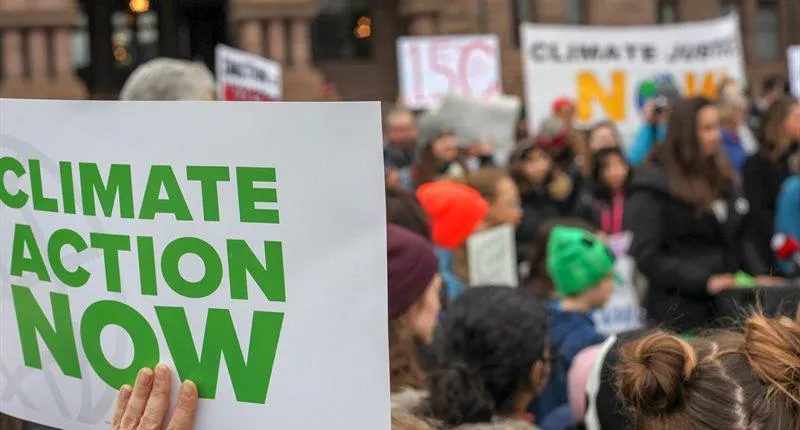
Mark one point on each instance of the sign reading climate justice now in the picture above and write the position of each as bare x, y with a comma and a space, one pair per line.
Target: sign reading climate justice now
197, 235
611, 72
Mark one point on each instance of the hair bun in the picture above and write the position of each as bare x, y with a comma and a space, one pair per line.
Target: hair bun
458, 396
772, 347
654, 372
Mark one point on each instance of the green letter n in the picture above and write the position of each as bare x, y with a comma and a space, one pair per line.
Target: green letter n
119, 185
250, 378
59, 337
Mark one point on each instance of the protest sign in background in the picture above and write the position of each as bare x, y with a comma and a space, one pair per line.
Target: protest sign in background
793, 59
207, 245
493, 258
431, 67
612, 71
622, 312
242, 76
477, 120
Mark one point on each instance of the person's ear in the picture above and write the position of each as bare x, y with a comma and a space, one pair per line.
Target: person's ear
538, 377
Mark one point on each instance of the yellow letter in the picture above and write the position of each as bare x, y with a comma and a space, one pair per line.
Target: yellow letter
613, 102
709, 86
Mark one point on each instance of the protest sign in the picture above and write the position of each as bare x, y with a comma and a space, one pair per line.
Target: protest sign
611, 72
492, 257
242, 76
201, 240
793, 58
477, 120
431, 67
622, 312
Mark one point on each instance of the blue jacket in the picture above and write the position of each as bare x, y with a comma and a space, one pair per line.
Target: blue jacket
570, 333
787, 212
453, 286
644, 142
736, 153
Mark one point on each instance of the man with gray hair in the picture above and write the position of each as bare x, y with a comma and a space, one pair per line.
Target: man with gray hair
401, 137
168, 79
733, 116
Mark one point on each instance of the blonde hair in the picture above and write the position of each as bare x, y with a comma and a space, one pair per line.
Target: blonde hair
168, 79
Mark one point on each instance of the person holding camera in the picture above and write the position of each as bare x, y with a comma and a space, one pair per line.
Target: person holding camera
656, 112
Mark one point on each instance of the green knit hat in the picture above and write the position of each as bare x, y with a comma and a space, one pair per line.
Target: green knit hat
577, 260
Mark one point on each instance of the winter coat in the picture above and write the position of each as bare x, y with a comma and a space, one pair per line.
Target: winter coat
397, 158
604, 209
646, 139
411, 402
762, 182
735, 149
787, 217
678, 249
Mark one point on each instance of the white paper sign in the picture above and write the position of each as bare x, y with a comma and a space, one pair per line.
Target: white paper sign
793, 58
242, 76
431, 67
477, 120
622, 312
198, 240
492, 257
611, 72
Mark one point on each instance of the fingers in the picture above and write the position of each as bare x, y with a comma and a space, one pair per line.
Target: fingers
183, 417
138, 400
157, 406
122, 403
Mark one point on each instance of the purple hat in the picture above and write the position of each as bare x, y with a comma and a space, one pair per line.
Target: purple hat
412, 264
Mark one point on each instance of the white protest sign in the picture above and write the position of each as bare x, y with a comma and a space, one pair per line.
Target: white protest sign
612, 71
793, 58
492, 257
200, 241
622, 312
477, 120
242, 76
431, 67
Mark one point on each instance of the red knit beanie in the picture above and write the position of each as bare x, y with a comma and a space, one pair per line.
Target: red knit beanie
455, 211
412, 264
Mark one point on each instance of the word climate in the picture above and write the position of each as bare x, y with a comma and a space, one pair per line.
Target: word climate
84, 190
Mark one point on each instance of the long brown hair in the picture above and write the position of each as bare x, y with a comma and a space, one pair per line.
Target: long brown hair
773, 140
729, 380
538, 280
693, 177
405, 370
486, 181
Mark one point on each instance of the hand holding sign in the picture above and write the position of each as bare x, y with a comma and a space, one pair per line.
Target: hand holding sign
145, 406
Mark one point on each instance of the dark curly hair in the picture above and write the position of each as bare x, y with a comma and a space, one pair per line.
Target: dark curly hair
489, 341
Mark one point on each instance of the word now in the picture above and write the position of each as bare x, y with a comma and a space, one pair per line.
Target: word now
116, 191
250, 376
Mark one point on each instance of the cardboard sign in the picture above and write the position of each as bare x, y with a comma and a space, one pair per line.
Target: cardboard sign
242, 76
199, 244
793, 58
477, 120
622, 312
611, 72
431, 67
492, 257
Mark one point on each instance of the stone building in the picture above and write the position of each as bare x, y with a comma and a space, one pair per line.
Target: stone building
86, 48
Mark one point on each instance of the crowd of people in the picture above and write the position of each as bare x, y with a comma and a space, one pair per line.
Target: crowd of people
702, 187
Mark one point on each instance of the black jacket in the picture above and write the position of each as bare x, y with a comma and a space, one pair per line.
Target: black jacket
678, 250
762, 183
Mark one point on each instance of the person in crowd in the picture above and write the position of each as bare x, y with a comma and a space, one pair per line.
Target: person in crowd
493, 360
582, 269
404, 210
603, 135
455, 212
657, 111
728, 380
787, 213
565, 110
401, 139
610, 178
439, 157
563, 146
168, 79
733, 111
766, 170
502, 195
546, 192
691, 226
537, 278
772, 88
413, 308
730, 88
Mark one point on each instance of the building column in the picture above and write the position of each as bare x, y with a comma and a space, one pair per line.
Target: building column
30, 69
276, 40
251, 37
301, 44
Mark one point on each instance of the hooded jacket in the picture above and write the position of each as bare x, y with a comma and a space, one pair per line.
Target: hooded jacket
678, 249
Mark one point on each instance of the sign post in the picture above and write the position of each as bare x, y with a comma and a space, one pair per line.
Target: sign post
196, 241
